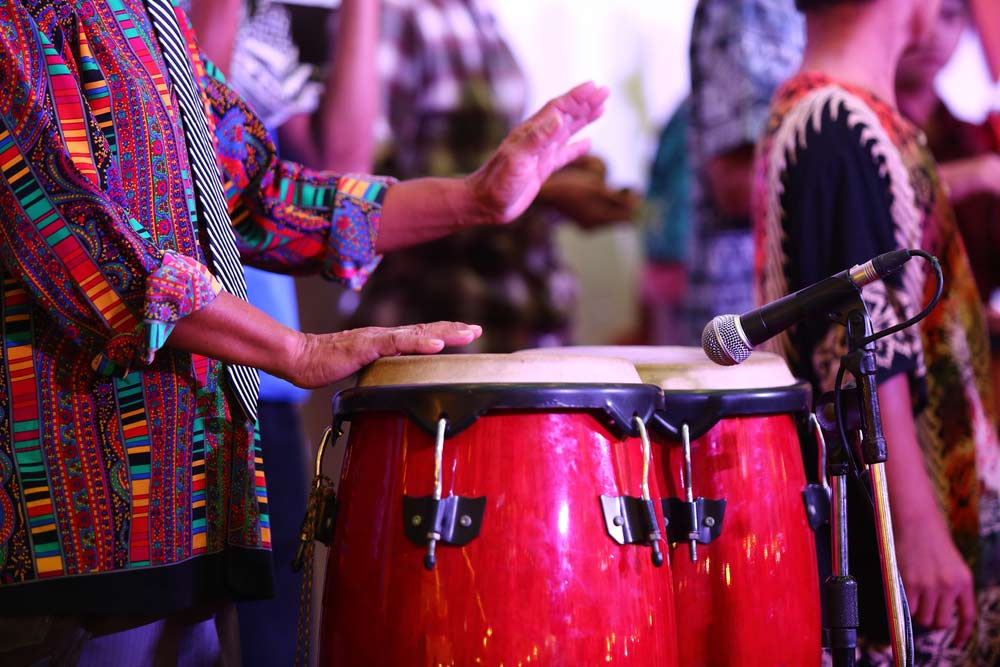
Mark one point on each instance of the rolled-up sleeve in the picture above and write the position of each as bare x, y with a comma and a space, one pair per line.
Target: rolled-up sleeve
89, 264
287, 218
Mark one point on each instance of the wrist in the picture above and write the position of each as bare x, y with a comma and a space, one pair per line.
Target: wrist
291, 351
474, 205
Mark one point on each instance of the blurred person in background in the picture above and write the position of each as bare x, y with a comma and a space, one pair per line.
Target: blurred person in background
252, 43
844, 176
741, 50
667, 234
451, 88
967, 153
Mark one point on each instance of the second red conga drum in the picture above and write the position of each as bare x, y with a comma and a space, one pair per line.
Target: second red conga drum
750, 596
533, 574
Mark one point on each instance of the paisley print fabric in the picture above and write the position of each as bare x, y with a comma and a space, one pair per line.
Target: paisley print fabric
121, 463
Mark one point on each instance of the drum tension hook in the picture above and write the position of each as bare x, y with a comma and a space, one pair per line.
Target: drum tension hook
321, 508
631, 520
454, 520
692, 520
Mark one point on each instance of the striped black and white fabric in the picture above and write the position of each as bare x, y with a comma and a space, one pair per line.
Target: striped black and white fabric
212, 208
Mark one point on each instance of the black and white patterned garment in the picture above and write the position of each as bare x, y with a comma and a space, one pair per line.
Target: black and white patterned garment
741, 51
281, 85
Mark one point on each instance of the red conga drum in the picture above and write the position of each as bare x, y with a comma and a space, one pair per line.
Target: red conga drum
747, 588
491, 513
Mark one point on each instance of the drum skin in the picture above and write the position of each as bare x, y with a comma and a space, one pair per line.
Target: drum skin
752, 597
542, 584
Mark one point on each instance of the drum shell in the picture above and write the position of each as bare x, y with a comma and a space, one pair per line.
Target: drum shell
543, 583
752, 596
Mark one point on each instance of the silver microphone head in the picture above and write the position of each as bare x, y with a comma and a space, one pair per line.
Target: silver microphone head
724, 342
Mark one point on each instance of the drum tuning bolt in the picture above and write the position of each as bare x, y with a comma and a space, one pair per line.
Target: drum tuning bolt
692, 520
428, 520
631, 520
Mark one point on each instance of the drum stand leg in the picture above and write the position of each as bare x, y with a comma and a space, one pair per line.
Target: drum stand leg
841, 587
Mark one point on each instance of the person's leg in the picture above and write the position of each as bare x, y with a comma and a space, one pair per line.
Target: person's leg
268, 627
185, 640
49, 641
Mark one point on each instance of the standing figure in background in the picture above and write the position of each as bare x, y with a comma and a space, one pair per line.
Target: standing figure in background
968, 157
842, 177
741, 50
251, 42
452, 89
667, 234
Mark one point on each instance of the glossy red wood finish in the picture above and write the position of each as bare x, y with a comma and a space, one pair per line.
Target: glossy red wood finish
543, 584
752, 597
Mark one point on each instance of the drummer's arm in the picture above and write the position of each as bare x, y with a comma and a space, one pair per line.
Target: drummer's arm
233, 331
934, 573
500, 190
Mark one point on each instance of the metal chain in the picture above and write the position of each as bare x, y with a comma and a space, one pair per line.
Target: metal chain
321, 484
303, 644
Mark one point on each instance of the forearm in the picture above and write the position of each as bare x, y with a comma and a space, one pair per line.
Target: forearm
231, 330
216, 22
425, 209
350, 105
970, 177
911, 494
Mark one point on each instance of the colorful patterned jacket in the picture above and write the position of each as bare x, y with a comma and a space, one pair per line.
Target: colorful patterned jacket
125, 483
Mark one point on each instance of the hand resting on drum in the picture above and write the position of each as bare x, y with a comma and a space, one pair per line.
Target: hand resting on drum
231, 330
414, 211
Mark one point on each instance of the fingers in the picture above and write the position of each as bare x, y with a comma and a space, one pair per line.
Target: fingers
590, 164
915, 602
425, 338
582, 105
565, 115
936, 605
571, 152
966, 614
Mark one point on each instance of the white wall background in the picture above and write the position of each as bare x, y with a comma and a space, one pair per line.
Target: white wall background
639, 49
965, 83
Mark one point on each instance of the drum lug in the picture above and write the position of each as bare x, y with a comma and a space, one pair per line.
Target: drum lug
817, 501
632, 520
454, 520
708, 513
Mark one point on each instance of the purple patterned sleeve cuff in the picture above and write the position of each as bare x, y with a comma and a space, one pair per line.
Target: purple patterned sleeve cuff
357, 211
181, 286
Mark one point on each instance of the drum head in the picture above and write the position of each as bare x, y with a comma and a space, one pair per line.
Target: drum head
687, 368
448, 369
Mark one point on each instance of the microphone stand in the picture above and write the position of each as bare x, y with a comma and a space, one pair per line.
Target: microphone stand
842, 588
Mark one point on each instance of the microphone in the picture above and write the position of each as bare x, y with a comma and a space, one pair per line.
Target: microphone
728, 339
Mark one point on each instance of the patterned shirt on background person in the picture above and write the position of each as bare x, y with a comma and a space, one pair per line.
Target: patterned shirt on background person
452, 90
741, 51
123, 462
978, 216
266, 66
842, 177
